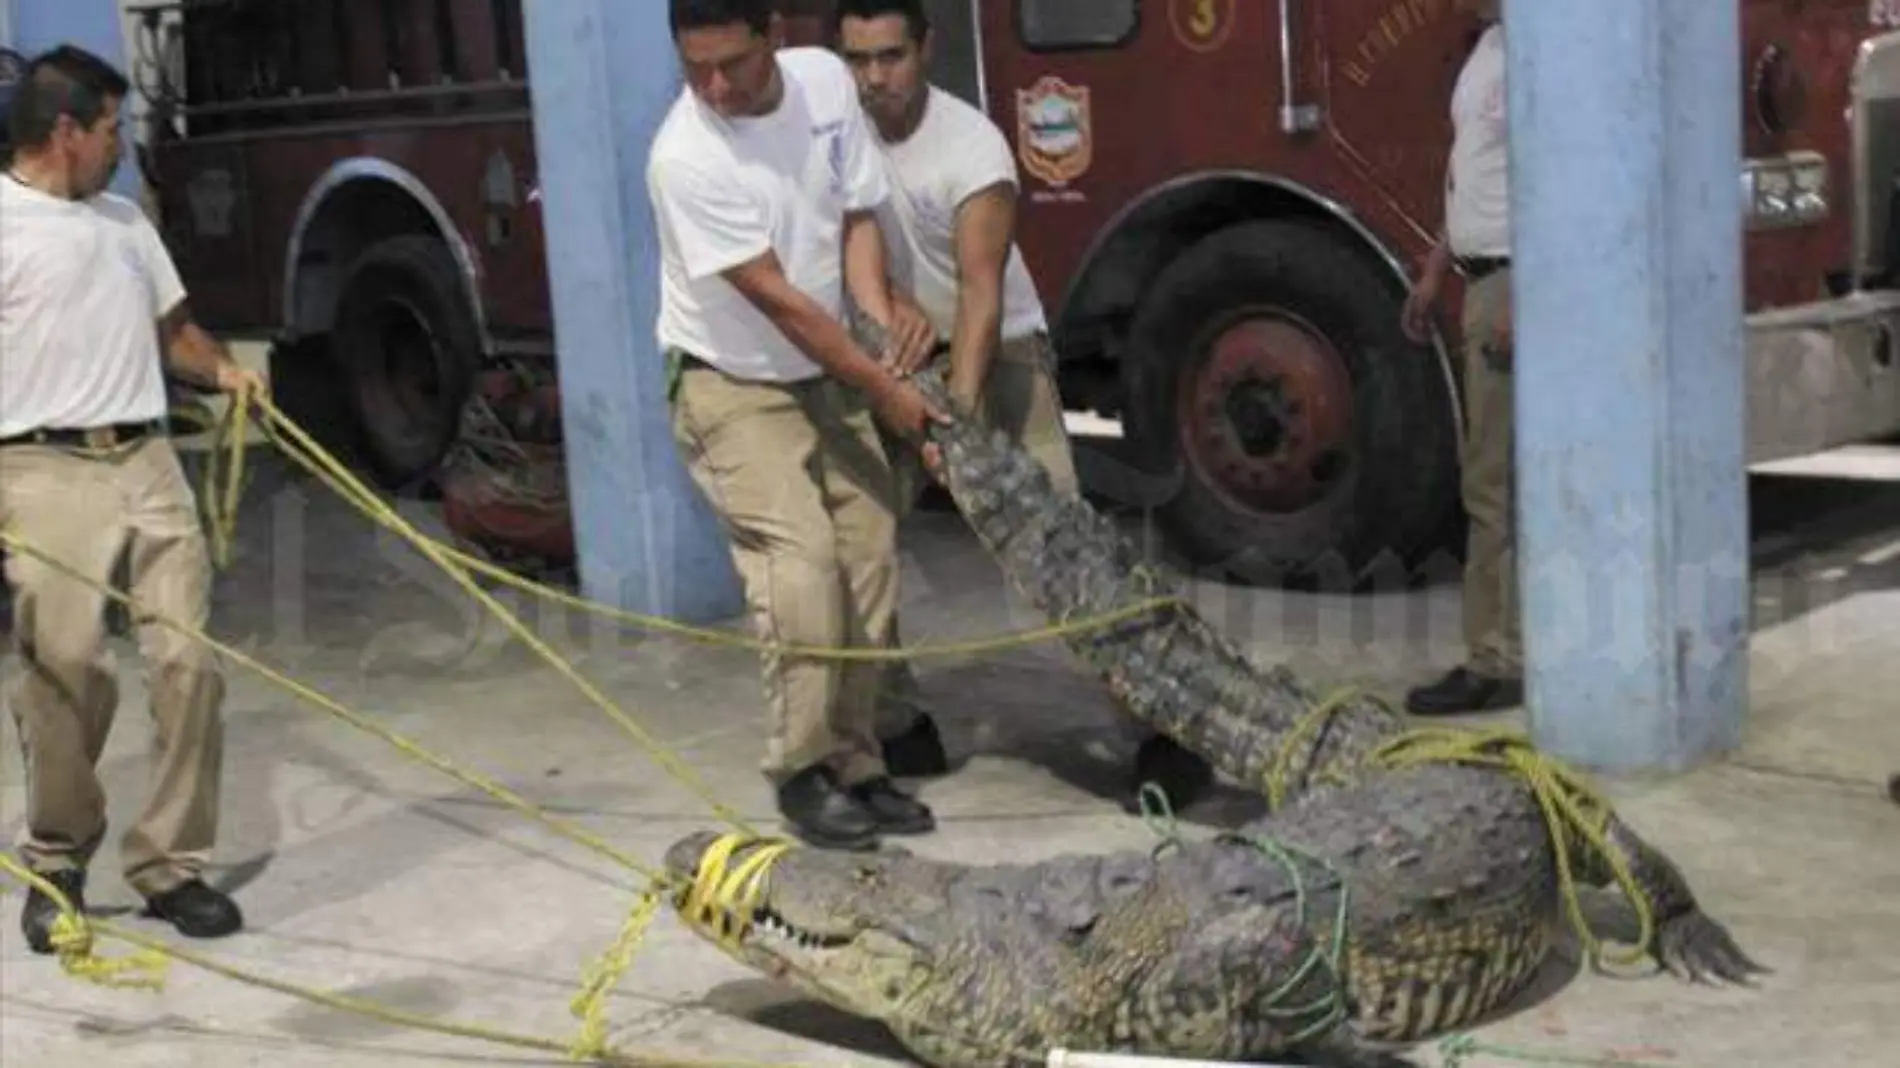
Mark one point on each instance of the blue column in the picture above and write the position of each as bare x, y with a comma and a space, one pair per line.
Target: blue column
1626, 201
604, 74
94, 25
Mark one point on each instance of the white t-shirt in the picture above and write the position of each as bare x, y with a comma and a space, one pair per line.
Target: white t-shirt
726, 191
956, 151
1478, 185
82, 286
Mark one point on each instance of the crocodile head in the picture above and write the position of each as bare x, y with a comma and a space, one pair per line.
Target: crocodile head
991, 964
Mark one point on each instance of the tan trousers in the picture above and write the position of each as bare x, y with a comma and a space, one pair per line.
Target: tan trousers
801, 483
85, 511
1492, 635
1021, 399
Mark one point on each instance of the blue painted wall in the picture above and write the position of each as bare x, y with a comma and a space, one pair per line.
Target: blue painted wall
95, 25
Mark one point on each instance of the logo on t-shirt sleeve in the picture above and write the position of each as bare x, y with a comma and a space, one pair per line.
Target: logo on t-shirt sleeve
832, 133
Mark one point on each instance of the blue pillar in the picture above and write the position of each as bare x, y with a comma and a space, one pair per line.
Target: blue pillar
94, 25
1626, 205
604, 74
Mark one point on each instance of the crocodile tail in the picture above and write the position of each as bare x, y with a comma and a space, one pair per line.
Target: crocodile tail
1682, 937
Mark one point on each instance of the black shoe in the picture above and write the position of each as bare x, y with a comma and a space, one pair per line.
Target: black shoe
1893, 789
1162, 764
37, 916
895, 811
822, 813
1463, 690
196, 910
918, 752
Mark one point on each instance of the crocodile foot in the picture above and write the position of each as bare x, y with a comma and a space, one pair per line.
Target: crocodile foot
1697, 948
1180, 775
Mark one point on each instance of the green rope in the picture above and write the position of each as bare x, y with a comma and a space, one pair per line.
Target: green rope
1159, 816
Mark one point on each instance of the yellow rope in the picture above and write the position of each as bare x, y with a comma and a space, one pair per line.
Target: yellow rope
347, 484
1330, 706
1567, 802
361, 722
721, 901
222, 508
73, 942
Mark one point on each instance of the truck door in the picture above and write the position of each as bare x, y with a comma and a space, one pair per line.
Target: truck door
1390, 67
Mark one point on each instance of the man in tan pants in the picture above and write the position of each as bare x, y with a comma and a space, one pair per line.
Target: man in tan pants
763, 179
1477, 241
91, 309
949, 233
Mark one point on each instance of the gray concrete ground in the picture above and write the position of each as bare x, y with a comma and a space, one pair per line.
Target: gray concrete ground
366, 874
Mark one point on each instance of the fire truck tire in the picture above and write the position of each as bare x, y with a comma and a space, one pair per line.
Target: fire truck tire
406, 339
1316, 442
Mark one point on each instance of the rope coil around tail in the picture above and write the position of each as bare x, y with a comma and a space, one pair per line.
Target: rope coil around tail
1570, 805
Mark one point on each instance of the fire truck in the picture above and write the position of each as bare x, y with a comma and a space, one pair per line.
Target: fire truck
1223, 203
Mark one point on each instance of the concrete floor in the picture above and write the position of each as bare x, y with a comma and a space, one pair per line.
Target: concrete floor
368, 875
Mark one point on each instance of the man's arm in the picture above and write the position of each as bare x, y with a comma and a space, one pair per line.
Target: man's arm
817, 333
194, 354
985, 224
188, 351
866, 268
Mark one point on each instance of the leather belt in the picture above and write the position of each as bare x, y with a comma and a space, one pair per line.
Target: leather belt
92, 437
1476, 267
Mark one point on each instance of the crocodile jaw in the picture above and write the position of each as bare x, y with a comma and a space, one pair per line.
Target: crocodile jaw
830, 924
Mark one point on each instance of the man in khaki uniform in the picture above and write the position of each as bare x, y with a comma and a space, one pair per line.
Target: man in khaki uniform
91, 308
949, 228
1477, 240
763, 178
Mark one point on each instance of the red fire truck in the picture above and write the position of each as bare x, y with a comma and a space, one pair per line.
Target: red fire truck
1223, 202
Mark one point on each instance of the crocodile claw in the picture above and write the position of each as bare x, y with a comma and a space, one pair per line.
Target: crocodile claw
1697, 948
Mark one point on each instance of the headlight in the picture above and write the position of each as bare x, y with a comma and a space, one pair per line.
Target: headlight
1788, 190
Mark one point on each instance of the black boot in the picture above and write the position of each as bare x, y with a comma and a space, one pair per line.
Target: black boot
918, 752
1161, 763
895, 811
1463, 690
39, 912
196, 910
825, 815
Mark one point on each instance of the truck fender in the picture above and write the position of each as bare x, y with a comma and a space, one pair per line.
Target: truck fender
400, 203
1142, 238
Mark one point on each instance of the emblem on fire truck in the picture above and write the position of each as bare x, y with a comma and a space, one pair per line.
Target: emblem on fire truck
212, 196
1053, 130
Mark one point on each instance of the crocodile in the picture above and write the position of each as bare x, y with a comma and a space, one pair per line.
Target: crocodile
1424, 958
1209, 949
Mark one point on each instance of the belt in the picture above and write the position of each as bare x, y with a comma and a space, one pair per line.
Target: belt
1476, 267
92, 437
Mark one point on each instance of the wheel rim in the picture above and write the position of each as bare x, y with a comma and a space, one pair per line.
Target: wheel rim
1265, 414
411, 362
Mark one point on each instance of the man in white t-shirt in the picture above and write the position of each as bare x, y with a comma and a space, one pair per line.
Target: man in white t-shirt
1477, 241
949, 229
91, 314
763, 179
